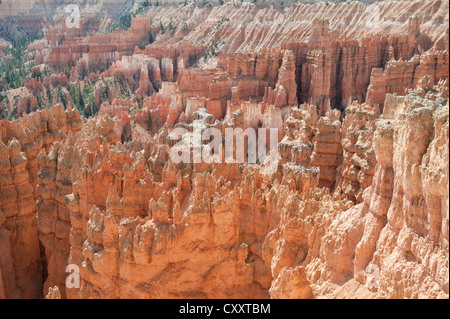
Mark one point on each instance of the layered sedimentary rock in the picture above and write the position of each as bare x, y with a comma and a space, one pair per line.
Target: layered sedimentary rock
21, 18
21, 142
358, 164
120, 229
313, 141
53, 293
53, 215
360, 179
400, 213
327, 148
101, 48
334, 71
417, 215
400, 74
129, 199
335, 59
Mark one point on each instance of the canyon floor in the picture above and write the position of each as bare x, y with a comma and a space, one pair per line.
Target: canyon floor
356, 201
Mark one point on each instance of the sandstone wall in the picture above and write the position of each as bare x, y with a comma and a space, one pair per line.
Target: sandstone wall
401, 211
335, 59
21, 142
361, 178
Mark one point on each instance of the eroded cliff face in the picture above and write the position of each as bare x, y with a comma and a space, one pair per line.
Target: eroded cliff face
134, 213
340, 49
399, 225
20, 143
361, 173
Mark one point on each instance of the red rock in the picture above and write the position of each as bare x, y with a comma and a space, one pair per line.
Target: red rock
357, 185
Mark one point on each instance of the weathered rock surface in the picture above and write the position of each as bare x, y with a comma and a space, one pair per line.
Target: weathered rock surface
134, 212
361, 179
358, 164
21, 142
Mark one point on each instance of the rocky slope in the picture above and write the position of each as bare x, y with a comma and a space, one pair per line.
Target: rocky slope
361, 179
20, 143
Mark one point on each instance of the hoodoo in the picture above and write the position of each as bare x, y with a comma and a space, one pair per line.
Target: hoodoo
117, 167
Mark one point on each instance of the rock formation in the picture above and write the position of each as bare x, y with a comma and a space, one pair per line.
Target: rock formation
358, 164
356, 207
21, 141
